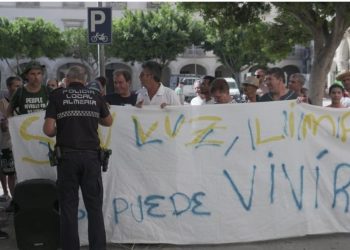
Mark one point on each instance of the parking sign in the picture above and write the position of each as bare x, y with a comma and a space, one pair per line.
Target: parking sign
100, 25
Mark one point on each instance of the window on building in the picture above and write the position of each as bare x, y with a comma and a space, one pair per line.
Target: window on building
72, 23
117, 5
27, 4
153, 5
73, 4
28, 18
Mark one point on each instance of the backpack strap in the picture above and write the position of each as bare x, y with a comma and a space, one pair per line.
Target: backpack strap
16, 110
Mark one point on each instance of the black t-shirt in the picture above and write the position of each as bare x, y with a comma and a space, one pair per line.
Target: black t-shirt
291, 95
77, 111
25, 102
116, 99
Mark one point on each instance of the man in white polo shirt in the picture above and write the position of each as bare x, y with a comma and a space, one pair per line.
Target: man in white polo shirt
154, 92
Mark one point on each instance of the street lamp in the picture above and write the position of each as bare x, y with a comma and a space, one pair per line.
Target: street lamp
194, 56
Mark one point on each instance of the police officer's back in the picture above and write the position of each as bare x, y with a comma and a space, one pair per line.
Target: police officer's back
73, 115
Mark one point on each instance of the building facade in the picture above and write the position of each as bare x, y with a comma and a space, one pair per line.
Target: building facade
194, 60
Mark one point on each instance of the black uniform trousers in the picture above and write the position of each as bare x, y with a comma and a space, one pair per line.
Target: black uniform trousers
80, 168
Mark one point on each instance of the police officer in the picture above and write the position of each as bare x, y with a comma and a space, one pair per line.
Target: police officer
73, 115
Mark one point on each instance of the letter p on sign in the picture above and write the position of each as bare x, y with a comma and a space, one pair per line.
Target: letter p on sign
99, 25
97, 17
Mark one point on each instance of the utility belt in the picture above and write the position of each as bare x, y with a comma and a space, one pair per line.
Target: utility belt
72, 150
55, 156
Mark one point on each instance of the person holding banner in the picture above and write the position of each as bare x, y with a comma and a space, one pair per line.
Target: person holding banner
250, 87
220, 92
8, 174
202, 90
344, 77
154, 92
122, 85
275, 81
336, 93
296, 83
260, 74
73, 115
33, 96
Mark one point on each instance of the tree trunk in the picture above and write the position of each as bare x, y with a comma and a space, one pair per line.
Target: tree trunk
324, 51
318, 81
322, 62
237, 78
327, 33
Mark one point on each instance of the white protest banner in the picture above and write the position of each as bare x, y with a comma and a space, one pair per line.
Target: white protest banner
213, 174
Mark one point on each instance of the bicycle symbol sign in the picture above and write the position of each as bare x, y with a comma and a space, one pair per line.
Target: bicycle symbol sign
99, 25
99, 37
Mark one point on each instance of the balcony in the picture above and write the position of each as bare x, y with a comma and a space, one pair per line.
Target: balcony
193, 52
27, 4
153, 5
73, 5
117, 5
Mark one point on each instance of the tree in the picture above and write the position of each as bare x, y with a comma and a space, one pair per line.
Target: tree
5, 39
160, 35
227, 14
77, 39
244, 46
327, 23
24, 38
242, 39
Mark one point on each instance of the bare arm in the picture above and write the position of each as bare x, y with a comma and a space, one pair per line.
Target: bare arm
107, 121
49, 127
9, 111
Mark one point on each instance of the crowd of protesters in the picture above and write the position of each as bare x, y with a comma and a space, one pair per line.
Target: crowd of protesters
27, 94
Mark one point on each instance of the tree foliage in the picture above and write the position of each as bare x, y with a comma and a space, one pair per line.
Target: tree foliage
227, 14
25, 38
78, 47
238, 49
242, 39
327, 23
5, 39
160, 35
34, 39
296, 23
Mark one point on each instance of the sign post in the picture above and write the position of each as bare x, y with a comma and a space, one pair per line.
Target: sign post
100, 25
100, 31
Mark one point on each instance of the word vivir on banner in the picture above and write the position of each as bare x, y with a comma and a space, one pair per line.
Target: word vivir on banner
213, 174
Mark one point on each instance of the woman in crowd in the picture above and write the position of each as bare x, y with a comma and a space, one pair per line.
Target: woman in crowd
336, 93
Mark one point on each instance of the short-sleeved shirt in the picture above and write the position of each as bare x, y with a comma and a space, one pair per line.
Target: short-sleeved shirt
25, 102
116, 99
180, 93
77, 111
345, 101
197, 101
163, 95
291, 95
5, 141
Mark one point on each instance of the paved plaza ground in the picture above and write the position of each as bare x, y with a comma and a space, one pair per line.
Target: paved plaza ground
319, 242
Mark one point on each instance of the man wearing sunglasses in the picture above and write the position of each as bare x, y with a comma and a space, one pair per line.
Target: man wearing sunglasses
153, 91
260, 74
